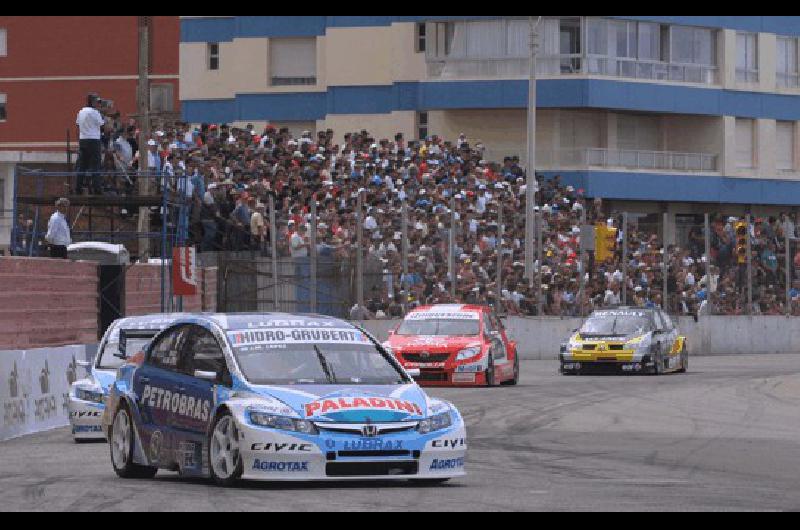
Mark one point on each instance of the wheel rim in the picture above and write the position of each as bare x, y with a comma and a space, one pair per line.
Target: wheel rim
225, 448
121, 442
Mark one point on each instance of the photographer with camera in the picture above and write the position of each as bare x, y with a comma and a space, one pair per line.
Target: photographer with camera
90, 122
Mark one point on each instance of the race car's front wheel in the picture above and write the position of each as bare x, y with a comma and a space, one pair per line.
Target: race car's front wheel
490, 374
223, 451
122, 443
684, 361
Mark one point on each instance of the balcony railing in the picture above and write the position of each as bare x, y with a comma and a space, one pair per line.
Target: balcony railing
461, 68
652, 70
629, 159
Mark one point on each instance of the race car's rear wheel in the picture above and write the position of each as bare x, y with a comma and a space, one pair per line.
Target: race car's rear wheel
515, 380
224, 456
121, 440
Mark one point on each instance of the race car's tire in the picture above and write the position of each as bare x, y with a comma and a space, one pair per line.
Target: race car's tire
684, 361
224, 457
490, 374
121, 441
515, 380
658, 369
429, 481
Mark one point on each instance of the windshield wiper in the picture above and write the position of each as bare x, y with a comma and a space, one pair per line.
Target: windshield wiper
325, 366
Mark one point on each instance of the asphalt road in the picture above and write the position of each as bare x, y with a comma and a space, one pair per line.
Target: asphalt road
726, 436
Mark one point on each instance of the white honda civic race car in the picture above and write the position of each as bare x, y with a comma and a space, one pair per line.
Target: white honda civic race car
277, 397
123, 340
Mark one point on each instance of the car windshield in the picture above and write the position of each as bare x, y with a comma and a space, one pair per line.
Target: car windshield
440, 328
316, 364
611, 324
108, 358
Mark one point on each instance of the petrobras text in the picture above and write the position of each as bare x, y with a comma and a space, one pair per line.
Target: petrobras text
188, 406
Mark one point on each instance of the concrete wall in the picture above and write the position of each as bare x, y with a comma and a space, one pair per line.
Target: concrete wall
143, 291
713, 335
47, 302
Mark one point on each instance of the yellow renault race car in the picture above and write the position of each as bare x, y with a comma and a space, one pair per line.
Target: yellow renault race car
625, 340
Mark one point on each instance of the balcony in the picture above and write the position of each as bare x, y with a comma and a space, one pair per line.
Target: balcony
557, 65
630, 159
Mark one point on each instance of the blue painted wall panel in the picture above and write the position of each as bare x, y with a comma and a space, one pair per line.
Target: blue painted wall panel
681, 188
211, 30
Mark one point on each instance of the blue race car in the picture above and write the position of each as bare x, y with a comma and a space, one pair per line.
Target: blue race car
87, 396
277, 397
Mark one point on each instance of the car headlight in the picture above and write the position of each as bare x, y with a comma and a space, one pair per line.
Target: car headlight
89, 395
283, 423
573, 345
639, 343
435, 423
468, 353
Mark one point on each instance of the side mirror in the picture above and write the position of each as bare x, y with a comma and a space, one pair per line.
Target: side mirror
414, 372
206, 376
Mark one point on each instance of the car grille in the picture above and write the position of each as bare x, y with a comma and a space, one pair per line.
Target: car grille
356, 428
616, 347
372, 454
432, 377
589, 347
371, 469
430, 358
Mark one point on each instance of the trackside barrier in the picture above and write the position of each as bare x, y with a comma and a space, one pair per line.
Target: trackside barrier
34, 387
541, 338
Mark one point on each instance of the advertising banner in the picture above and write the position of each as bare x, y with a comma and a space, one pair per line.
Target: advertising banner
34, 388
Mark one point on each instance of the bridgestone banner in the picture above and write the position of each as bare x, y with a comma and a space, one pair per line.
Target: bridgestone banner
34, 388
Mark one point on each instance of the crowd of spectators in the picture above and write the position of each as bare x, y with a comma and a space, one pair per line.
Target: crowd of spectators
229, 175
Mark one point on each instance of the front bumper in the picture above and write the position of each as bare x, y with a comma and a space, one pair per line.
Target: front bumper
627, 364
270, 455
85, 419
466, 373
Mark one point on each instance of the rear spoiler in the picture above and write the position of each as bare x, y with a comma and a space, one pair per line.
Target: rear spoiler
125, 334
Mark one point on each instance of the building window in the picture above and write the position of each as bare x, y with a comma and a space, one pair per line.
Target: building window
422, 125
646, 50
745, 143
161, 98
293, 61
3, 42
746, 57
420, 37
213, 56
3, 115
788, 73
785, 156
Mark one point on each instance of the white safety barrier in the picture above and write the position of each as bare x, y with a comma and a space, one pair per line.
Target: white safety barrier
34, 387
541, 338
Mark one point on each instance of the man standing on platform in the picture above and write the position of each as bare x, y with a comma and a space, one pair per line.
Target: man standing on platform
58, 234
90, 123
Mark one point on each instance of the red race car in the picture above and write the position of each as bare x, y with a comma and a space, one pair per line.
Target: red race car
455, 345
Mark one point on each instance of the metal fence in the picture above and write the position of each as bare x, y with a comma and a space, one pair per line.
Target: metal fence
391, 259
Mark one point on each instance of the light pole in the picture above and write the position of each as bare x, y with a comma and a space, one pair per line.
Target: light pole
531, 185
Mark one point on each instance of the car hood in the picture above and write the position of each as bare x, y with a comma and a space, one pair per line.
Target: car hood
415, 344
351, 404
608, 338
104, 378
